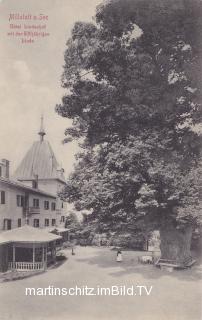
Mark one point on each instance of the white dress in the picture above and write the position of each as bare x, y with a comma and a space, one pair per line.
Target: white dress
119, 257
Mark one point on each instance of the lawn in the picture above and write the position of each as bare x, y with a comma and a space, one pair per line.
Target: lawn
174, 296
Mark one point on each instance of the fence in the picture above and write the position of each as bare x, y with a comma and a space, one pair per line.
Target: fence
22, 266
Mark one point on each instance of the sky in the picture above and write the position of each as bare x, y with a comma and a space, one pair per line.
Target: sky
30, 77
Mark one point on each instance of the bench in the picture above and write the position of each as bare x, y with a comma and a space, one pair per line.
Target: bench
188, 263
167, 264
172, 264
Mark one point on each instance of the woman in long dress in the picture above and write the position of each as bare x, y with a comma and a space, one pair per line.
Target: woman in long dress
119, 256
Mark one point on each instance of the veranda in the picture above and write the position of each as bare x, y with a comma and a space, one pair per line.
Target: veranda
28, 249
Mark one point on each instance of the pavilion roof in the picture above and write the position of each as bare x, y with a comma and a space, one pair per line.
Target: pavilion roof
3, 240
28, 234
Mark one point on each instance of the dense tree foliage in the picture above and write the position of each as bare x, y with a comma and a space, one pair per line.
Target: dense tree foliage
72, 223
133, 94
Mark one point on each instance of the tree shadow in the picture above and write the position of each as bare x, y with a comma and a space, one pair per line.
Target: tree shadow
104, 258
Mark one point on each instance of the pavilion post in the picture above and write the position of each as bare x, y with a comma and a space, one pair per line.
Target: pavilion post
33, 258
45, 257
13, 253
43, 253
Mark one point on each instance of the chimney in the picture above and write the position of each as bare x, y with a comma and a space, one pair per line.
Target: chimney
35, 181
5, 168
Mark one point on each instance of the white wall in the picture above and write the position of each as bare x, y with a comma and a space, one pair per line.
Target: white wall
10, 210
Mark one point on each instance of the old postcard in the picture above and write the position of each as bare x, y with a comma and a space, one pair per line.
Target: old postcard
100, 159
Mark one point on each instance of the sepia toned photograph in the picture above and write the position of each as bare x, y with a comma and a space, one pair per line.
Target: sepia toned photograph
100, 159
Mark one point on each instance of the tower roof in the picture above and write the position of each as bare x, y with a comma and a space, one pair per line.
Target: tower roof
41, 131
39, 160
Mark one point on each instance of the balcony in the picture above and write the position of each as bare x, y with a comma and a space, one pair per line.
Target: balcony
31, 210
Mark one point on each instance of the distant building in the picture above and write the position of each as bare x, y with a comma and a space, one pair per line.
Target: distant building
31, 195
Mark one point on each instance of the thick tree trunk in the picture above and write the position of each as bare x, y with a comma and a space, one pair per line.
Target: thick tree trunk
175, 243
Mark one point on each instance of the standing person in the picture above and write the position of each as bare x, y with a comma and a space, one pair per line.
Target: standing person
73, 253
119, 256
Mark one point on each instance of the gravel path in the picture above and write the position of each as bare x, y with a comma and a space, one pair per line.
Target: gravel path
174, 296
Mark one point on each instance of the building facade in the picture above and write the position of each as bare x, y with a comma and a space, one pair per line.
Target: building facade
31, 195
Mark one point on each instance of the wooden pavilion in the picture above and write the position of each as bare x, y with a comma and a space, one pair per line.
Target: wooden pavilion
4, 244
27, 249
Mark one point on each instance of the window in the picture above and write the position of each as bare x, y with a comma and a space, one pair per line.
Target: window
36, 203
0, 171
53, 222
20, 201
19, 223
62, 205
3, 197
46, 222
62, 219
53, 206
7, 224
46, 205
36, 223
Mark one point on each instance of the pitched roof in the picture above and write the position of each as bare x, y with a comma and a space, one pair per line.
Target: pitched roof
29, 234
3, 240
26, 188
39, 160
59, 229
